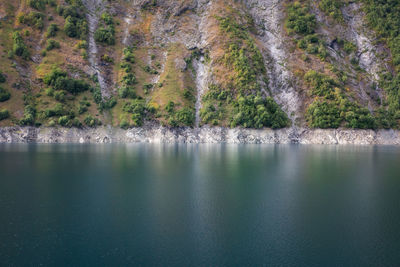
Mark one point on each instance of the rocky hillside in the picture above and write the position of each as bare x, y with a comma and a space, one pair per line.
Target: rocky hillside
249, 63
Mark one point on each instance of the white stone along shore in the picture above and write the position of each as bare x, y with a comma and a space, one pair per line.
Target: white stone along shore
159, 134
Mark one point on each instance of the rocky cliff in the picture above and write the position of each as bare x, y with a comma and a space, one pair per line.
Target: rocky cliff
250, 64
203, 135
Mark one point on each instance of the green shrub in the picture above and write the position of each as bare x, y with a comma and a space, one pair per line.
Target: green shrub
52, 30
91, 121
59, 80
129, 79
82, 44
185, 116
322, 114
2, 78
170, 107
4, 94
187, 94
127, 92
105, 35
52, 44
299, 20
106, 32
37, 4
19, 47
29, 115
124, 124
138, 110
4, 114
107, 58
322, 85
34, 19
65, 121
128, 55
257, 112
110, 103
332, 8
75, 28
59, 96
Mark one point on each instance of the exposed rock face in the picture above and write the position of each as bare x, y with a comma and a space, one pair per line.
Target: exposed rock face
269, 16
158, 134
95, 7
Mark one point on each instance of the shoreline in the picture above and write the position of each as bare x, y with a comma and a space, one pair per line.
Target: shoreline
210, 135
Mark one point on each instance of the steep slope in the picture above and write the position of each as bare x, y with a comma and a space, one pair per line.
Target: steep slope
252, 64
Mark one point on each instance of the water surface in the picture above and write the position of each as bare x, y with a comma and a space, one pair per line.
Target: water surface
199, 205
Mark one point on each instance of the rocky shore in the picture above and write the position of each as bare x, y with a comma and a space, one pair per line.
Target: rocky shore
159, 134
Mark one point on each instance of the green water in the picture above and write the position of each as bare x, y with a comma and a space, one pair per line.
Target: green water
204, 205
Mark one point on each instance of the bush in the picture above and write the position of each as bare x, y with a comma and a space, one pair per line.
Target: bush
19, 47
52, 44
37, 4
52, 30
323, 115
299, 20
91, 121
34, 19
110, 103
29, 115
170, 107
4, 94
322, 85
185, 116
82, 44
128, 55
2, 78
124, 124
59, 80
257, 112
105, 35
4, 114
129, 79
59, 96
137, 108
75, 27
332, 8
107, 58
65, 121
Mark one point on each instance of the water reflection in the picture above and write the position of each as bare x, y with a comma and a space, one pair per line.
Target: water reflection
207, 204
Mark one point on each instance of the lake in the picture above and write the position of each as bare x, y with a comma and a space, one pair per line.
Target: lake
199, 205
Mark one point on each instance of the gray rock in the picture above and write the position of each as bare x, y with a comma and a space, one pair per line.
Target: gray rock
211, 135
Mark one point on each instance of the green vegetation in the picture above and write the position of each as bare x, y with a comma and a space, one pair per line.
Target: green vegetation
75, 23
19, 47
383, 17
331, 108
59, 80
91, 121
29, 115
4, 114
106, 32
38, 4
241, 98
301, 23
4, 94
52, 30
34, 19
332, 8
52, 44
137, 108
181, 117
257, 112
299, 20
2, 78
